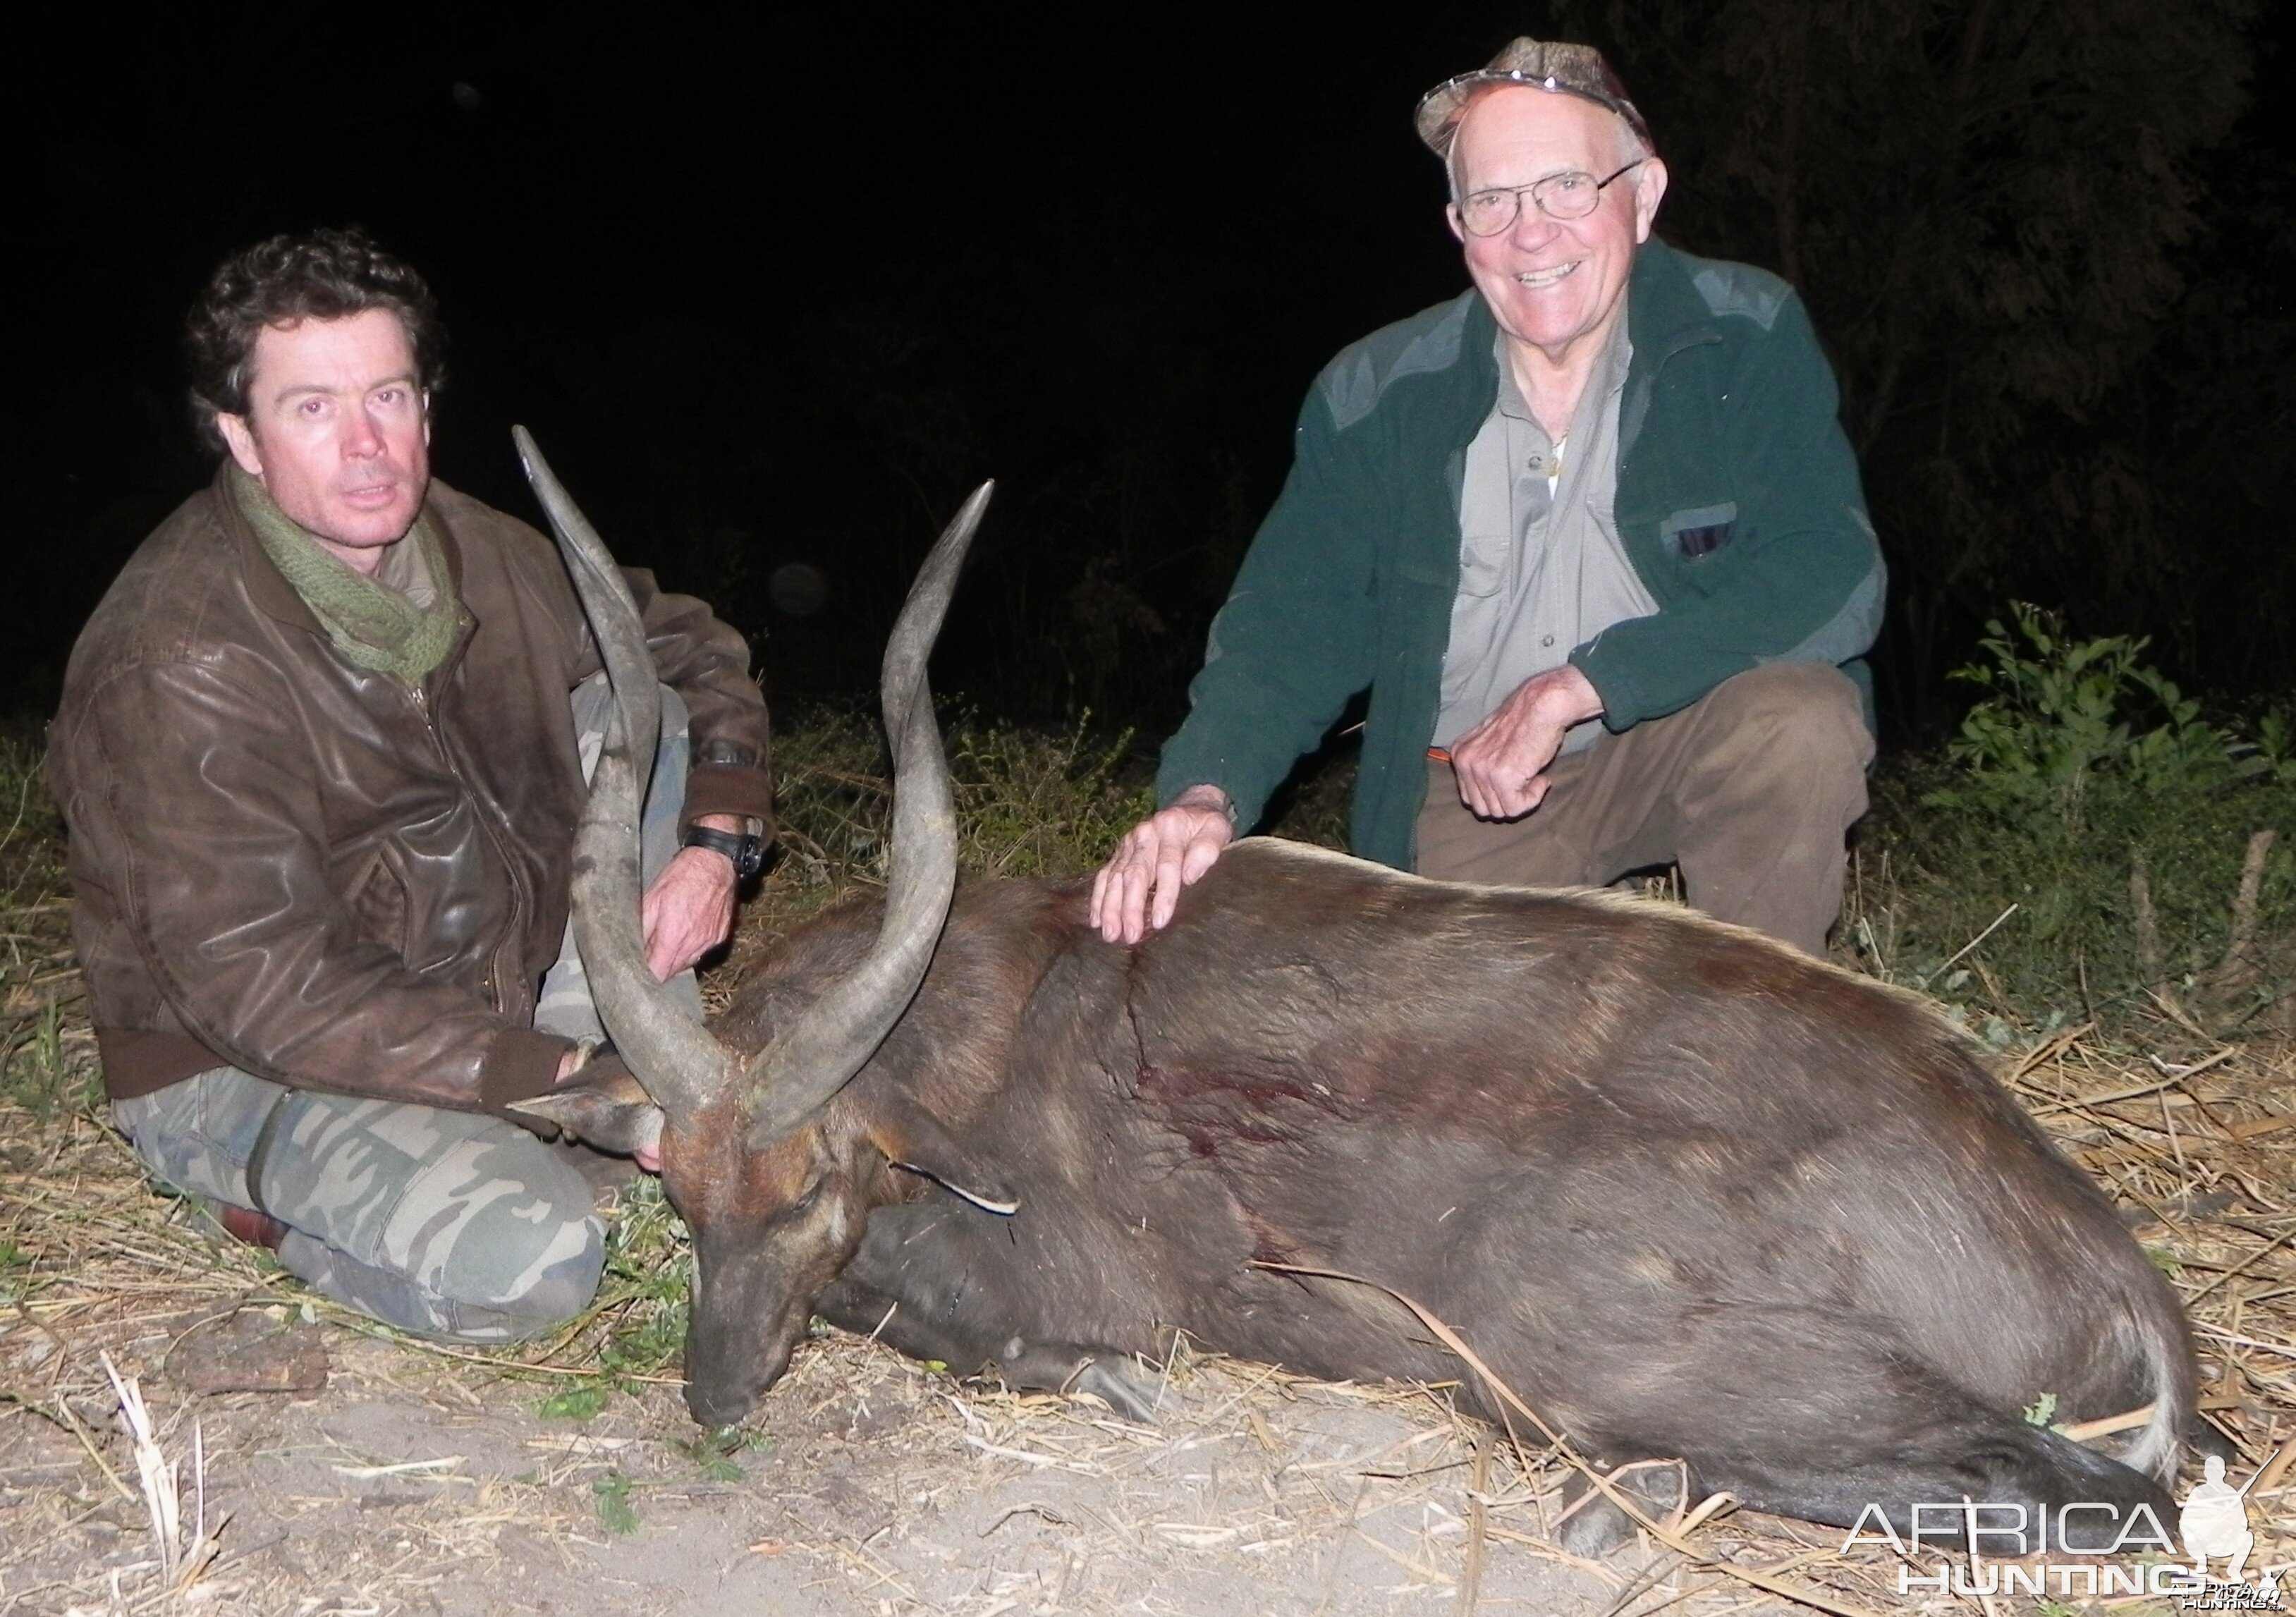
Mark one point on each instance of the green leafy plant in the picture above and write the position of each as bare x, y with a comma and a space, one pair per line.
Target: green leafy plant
714, 1451
2059, 712
579, 1402
641, 1298
611, 1494
2091, 844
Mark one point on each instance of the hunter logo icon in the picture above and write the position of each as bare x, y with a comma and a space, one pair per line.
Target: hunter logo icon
2214, 1522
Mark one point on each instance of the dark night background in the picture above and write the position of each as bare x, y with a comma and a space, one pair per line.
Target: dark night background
778, 290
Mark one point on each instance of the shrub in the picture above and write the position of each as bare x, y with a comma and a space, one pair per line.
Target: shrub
2143, 847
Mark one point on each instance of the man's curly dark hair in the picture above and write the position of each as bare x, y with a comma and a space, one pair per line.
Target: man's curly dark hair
319, 274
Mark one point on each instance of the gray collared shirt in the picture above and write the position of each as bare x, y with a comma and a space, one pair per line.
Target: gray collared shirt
404, 569
1541, 570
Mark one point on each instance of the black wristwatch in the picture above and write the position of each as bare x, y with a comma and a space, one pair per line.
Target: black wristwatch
746, 851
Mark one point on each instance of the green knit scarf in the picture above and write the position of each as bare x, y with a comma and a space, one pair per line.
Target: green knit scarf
371, 623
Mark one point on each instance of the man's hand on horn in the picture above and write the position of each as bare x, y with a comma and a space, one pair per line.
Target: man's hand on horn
689, 910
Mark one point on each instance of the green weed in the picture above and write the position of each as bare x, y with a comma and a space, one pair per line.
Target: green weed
2116, 851
41, 1073
643, 1296
2060, 713
713, 1452
611, 1494
580, 1402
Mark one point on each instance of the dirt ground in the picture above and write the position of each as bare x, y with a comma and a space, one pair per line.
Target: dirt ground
874, 1486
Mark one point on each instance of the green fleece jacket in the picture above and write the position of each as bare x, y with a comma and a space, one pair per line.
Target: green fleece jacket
1738, 504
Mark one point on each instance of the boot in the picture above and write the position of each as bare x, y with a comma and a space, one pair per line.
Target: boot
245, 1224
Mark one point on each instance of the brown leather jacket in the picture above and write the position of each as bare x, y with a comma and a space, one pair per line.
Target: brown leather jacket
303, 869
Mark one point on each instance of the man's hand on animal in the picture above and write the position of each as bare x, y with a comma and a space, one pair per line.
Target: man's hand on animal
1501, 764
689, 910
1134, 893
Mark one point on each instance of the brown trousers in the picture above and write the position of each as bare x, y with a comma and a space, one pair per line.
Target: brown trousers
1750, 790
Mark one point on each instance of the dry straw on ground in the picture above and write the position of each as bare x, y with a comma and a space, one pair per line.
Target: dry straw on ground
877, 1485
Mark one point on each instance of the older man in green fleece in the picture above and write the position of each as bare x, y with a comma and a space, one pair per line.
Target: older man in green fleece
1591, 537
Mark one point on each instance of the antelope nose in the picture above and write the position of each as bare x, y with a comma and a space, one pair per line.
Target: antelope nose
715, 1409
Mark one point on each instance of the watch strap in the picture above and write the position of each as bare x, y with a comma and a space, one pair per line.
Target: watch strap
748, 852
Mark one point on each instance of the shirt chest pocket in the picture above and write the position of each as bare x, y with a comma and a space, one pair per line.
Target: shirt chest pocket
1486, 563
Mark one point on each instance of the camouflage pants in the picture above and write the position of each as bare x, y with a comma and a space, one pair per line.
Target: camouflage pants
446, 1223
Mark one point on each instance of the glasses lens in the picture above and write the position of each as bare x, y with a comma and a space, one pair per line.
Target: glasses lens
1567, 196
1486, 213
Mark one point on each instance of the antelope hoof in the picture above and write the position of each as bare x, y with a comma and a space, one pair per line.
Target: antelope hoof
1116, 1384
1597, 1528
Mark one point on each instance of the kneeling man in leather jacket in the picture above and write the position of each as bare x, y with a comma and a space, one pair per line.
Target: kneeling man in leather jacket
320, 752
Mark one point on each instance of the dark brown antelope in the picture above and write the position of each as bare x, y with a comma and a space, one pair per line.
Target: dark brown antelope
1688, 1192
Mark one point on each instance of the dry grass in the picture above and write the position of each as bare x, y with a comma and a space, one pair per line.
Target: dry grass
2192, 1139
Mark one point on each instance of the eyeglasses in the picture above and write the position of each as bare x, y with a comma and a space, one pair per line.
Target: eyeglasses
1570, 195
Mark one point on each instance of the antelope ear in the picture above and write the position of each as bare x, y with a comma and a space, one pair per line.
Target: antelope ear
912, 1138
609, 1110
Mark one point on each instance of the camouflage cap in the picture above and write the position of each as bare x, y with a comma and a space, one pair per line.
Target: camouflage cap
1568, 69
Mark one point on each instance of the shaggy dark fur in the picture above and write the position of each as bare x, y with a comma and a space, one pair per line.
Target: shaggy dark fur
1690, 1193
